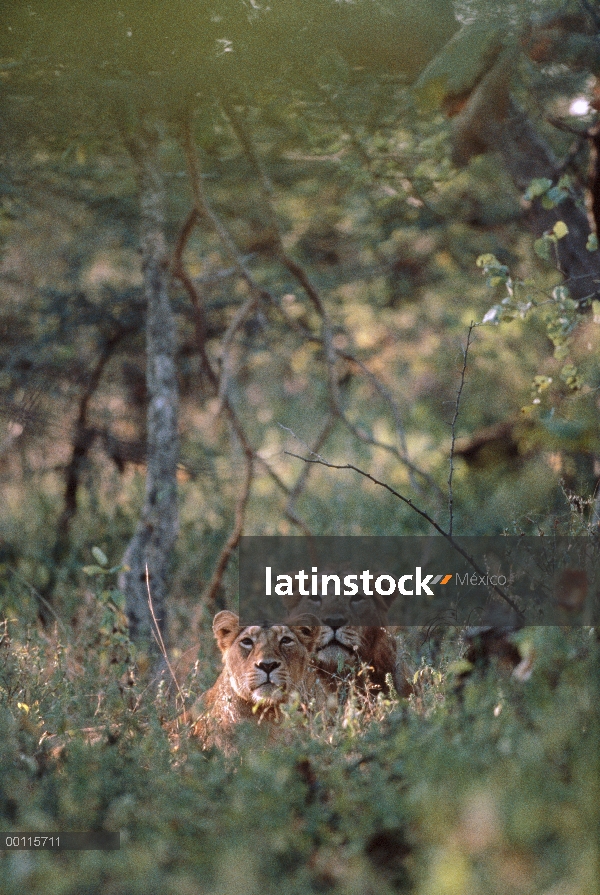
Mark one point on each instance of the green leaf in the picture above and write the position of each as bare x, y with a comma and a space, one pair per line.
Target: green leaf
569, 375
118, 598
541, 247
541, 383
537, 187
93, 570
596, 311
560, 229
487, 260
561, 294
99, 556
592, 243
461, 666
557, 195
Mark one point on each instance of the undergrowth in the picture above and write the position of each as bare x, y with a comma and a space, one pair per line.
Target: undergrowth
493, 789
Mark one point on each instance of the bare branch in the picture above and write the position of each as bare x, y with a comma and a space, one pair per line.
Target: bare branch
227, 343
203, 210
82, 440
244, 137
296, 270
456, 546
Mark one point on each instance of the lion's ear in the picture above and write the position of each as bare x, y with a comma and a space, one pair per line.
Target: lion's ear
290, 601
226, 627
308, 635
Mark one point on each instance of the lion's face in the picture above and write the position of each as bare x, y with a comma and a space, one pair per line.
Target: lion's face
263, 664
338, 643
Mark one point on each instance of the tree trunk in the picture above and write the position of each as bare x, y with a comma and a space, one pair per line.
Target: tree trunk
493, 122
148, 554
526, 156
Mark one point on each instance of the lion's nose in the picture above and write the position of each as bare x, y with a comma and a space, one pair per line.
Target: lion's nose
335, 621
268, 667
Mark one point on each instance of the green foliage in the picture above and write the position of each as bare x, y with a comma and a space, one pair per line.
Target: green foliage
550, 194
311, 152
497, 789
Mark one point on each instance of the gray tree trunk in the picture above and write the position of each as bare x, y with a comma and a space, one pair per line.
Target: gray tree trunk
148, 554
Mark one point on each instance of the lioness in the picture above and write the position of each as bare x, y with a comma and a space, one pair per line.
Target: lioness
262, 668
341, 647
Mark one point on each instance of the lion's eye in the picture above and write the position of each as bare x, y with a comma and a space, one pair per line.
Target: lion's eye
356, 599
315, 598
285, 640
247, 642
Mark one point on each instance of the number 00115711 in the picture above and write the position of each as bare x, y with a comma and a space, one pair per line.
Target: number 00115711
29, 841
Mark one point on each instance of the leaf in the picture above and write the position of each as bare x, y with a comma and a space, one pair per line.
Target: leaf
461, 666
487, 260
592, 243
541, 247
537, 187
541, 383
118, 598
596, 311
99, 556
556, 195
567, 430
561, 294
93, 570
491, 315
560, 229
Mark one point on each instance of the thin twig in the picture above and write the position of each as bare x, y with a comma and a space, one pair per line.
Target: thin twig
159, 638
200, 337
296, 270
320, 460
244, 137
204, 210
385, 393
453, 426
297, 489
227, 343
38, 596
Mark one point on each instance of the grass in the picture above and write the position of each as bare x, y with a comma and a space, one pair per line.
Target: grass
494, 792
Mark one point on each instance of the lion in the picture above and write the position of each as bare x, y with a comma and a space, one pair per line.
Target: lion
263, 666
343, 649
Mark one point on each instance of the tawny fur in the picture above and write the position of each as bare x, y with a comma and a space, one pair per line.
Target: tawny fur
262, 668
342, 649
